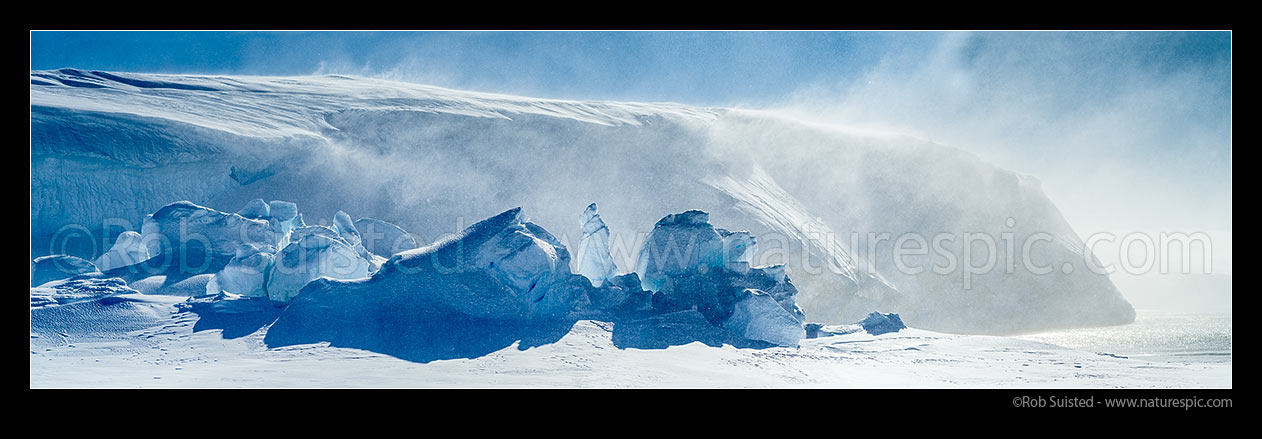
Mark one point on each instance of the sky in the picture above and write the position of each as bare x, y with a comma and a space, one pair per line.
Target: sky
1126, 130
700, 68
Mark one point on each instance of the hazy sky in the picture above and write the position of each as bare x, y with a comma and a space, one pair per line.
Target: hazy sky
1127, 130
703, 68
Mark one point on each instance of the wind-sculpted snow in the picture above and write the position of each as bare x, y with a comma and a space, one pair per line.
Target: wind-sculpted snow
46, 269
109, 147
75, 290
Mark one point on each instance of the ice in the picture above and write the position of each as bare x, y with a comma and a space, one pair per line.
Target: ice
122, 149
346, 228
284, 219
594, 260
127, 250
115, 150
201, 237
312, 256
875, 323
817, 330
497, 282
758, 317
302, 232
738, 247
246, 274
679, 244
715, 279
255, 209
74, 290
620, 294
502, 268
661, 331
773, 281
46, 269
685, 258
878, 323
283, 210
383, 238
718, 295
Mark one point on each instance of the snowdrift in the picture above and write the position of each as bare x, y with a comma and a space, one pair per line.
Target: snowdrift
107, 148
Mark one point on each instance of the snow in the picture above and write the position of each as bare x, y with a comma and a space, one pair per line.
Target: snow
112, 145
75, 290
594, 261
45, 269
145, 341
192, 296
173, 284
455, 314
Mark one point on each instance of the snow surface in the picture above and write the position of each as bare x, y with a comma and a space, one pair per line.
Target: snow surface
110, 147
148, 341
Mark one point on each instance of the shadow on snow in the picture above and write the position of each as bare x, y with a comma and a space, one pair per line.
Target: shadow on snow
423, 336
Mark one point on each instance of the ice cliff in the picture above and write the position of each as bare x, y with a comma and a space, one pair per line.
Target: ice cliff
107, 148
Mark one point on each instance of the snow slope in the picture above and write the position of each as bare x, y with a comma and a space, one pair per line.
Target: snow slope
108, 148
